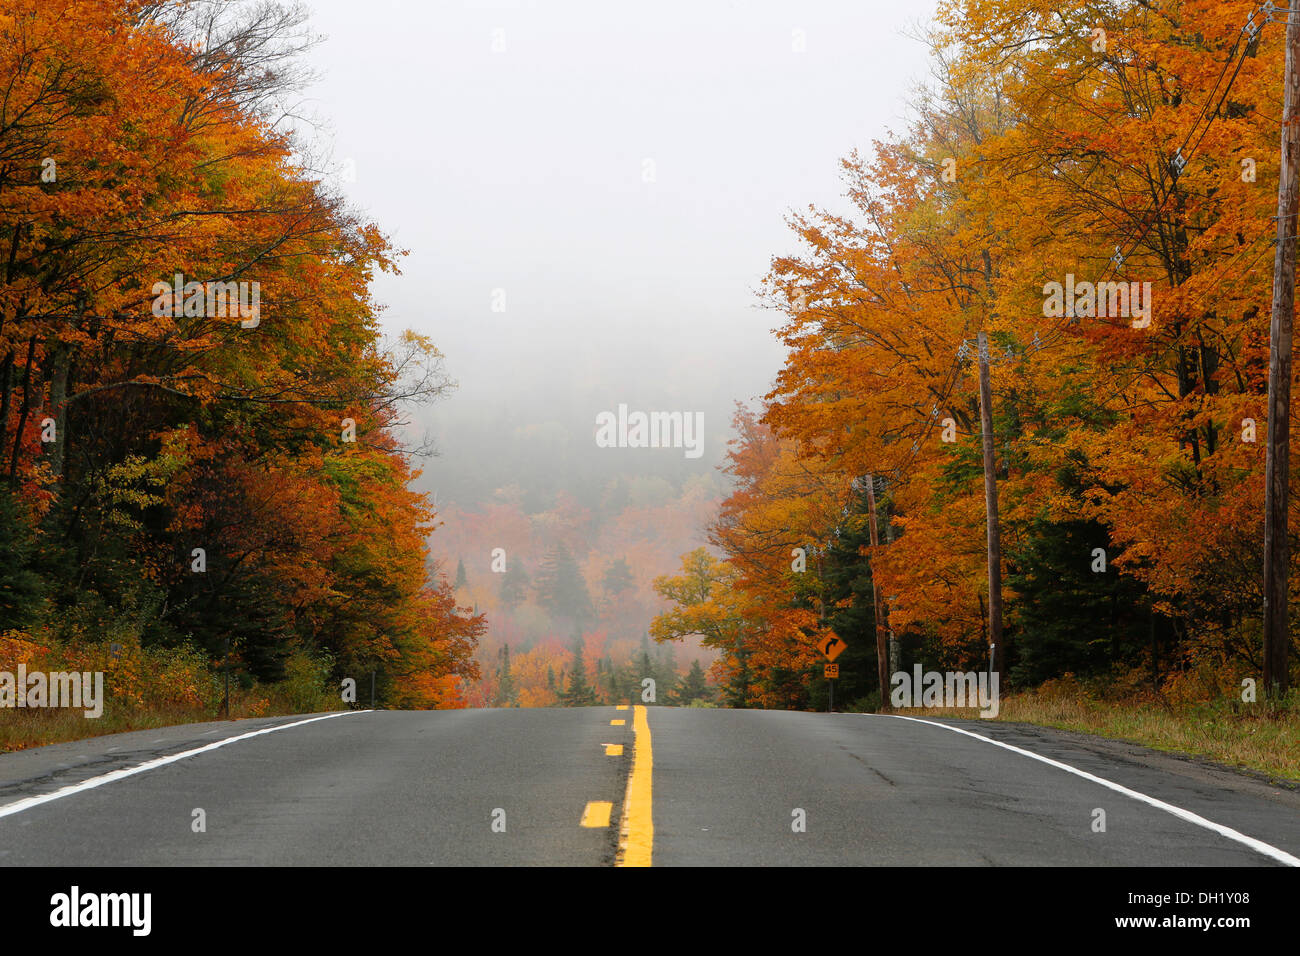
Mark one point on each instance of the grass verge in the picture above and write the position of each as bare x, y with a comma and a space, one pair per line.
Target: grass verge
1259, 737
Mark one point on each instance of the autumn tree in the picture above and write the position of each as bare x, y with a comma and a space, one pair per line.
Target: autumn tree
1122, 151
197, 470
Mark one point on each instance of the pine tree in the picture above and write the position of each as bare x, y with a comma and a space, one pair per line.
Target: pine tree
1068, 618
669, 679
561, 588
626, 683
645, 667
617, 578
579, 693
514, 585
461, 577
507, 693
846, 592
694, 687
21, 589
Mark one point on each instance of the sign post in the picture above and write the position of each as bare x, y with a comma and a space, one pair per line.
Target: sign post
832, 646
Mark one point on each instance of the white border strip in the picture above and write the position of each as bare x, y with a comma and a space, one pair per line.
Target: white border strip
29, 802
1259, 846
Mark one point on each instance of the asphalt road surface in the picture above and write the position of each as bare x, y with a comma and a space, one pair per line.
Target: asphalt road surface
600, 786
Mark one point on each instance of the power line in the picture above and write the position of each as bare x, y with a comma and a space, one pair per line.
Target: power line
1237, 54
1183, 160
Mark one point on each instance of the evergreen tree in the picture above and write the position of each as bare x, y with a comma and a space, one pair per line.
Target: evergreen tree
461, 577
579, 693
604, 679
561, 588
21, 589
617, 578
626, 683
845, 590
669, 679
646, 668
507, 693
694, 687
514, 585
1069, 618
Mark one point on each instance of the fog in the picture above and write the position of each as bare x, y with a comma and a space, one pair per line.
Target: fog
617, 176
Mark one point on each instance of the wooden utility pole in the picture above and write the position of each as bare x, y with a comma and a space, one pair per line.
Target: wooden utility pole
1277, 475
997, 652
895, 664
882, 650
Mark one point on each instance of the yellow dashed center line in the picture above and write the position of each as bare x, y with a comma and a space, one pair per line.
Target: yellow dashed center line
621, 707
637, 831
617, 723
613, 750
597, 813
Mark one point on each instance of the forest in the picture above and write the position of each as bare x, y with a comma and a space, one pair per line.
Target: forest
205, 431
576, 582
1125, 155
203, 477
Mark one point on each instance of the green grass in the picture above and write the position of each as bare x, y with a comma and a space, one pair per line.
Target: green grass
1259, 737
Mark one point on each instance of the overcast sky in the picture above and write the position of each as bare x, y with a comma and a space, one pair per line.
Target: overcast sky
622, 171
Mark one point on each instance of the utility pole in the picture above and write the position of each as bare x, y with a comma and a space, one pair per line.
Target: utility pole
882, 652
997, 652
1277, 474
895, 665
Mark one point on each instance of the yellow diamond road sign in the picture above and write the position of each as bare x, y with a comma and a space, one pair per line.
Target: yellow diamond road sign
831, 646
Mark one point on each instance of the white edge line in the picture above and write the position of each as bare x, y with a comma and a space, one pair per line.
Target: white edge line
1259, 846
28, 802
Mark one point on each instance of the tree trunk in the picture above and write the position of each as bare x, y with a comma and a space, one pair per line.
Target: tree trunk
882, 650
6, 378
997, 648
60, 360
22, 414
1277, 480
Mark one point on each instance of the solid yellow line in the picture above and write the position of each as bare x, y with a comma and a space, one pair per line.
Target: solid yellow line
597, 813
613, 750
617, 723
637, 833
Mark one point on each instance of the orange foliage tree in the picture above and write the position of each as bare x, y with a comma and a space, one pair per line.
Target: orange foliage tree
1091, 185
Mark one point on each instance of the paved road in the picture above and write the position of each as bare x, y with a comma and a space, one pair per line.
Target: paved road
690, 787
